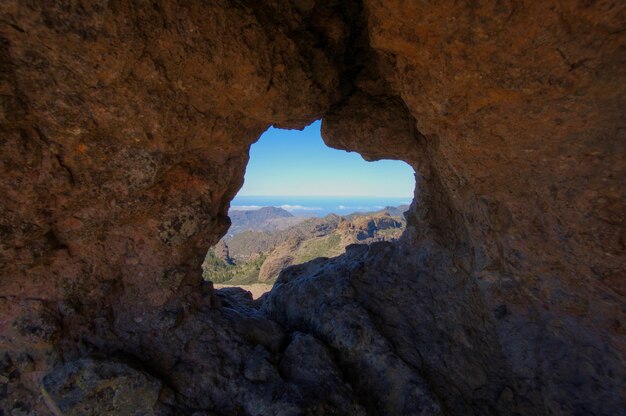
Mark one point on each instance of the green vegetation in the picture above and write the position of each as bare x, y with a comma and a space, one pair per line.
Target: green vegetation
390, 233
217, 270
214, 268
328, 246
241, 257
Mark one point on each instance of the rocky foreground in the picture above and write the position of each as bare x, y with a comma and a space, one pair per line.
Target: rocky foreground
125, 128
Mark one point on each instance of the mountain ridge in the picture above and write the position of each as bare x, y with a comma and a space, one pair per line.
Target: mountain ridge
258, 255
268, 218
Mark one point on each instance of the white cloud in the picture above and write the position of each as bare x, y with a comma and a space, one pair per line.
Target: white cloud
299, 208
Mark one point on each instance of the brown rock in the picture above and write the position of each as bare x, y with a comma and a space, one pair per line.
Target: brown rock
281, 257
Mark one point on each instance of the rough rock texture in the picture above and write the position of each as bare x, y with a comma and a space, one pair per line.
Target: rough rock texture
124, 134
87, 387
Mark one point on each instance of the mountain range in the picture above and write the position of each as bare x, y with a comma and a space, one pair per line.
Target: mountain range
263, 219
263, 243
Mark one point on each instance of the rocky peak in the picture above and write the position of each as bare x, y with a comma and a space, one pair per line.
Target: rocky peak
221, 251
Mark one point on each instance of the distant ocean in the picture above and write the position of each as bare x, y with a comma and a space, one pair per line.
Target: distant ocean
318, 206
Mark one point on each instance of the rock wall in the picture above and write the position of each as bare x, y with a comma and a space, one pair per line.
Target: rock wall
516, 136
125, 129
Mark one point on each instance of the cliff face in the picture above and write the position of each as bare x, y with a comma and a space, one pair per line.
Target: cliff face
125, 129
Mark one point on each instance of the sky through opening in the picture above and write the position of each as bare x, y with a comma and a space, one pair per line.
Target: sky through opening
298, 163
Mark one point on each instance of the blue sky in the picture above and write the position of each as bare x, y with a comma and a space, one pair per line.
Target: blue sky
293, 162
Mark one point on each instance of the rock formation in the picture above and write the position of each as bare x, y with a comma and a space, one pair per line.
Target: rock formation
221, 251
364, 227
125, 129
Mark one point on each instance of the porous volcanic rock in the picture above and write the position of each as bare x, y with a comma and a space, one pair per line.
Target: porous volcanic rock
90, 387
124, 134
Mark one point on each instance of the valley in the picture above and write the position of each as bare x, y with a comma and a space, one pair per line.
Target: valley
263, 242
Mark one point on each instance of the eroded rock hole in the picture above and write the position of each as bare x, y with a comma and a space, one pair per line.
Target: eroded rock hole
302, 200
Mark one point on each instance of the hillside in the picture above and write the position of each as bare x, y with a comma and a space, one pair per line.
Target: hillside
393, 211
263, 219
247, 243
259, 256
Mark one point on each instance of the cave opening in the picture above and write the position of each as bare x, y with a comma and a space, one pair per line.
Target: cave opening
303, 200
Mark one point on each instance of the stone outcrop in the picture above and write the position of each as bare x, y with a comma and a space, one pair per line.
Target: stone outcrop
222, 253
364, 227
125, 129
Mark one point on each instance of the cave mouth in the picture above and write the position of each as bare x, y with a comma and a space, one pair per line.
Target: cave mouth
303, 200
